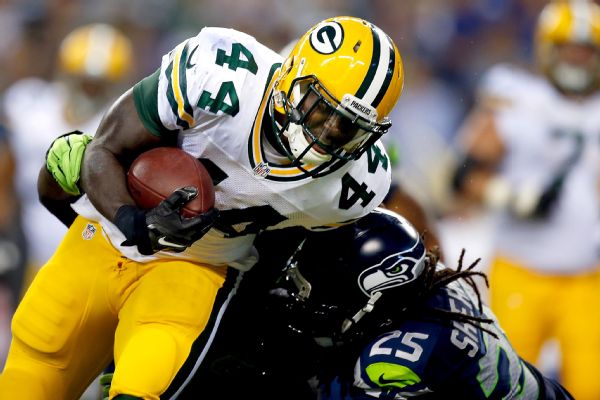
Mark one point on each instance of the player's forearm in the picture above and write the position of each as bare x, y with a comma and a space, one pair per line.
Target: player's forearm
57, 201
405, 204
104, 180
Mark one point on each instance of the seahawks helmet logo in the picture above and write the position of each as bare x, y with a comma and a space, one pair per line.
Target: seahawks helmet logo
395, 270
327, 37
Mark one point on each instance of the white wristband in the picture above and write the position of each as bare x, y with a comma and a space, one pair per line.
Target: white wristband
526, 200
497, 193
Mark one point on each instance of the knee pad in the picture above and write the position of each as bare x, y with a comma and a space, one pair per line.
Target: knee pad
48, 315
19, 384
148, 362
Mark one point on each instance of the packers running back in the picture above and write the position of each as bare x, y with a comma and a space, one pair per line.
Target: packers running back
291, 142
215, 94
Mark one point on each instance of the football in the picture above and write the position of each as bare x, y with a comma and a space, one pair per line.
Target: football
155, 174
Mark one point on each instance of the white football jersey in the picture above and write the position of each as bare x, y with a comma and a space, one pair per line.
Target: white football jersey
35, 113
548, 135
212, 91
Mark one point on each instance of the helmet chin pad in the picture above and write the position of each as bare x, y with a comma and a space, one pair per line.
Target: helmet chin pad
571, 78
300, 147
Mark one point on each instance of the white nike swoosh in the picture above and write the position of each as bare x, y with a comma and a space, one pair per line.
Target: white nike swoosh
163, 242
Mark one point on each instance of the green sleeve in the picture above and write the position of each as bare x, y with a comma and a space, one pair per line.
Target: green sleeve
145, 96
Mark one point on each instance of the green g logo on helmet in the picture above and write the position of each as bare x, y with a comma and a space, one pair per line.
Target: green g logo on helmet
327, 37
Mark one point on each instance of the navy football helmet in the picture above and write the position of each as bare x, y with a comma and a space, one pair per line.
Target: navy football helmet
376, 269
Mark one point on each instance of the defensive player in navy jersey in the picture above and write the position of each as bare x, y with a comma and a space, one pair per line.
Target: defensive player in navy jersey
358, 313
387, 320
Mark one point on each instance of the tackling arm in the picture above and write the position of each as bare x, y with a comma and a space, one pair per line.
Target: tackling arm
400, 201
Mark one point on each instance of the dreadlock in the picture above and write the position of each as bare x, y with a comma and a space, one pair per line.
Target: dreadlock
435, 279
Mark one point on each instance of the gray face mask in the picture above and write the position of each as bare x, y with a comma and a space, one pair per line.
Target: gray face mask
571, 78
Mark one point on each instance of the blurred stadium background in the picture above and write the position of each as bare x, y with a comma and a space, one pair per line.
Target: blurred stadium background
446, 46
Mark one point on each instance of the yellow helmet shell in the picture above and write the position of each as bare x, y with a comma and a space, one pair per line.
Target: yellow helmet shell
96, 51
348, 56
563, 22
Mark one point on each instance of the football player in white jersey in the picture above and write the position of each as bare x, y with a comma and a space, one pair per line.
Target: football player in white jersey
290, 142
532, 150
93, 61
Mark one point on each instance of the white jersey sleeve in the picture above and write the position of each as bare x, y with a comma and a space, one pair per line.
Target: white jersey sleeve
197, 80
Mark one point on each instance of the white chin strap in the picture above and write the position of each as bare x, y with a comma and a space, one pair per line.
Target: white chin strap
572, 78
298, 144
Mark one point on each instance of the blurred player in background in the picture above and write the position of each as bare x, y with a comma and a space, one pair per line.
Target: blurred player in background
93, 62
532, 152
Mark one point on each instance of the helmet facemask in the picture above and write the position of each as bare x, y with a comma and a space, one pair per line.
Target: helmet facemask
336, 298
327, 323
317, 128
579, 75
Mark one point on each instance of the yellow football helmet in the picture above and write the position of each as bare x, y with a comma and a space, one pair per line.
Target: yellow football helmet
335, 90
569, 22
96, 51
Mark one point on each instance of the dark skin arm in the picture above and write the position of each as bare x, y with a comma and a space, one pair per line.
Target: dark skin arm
121, 136
54, 198
404, 204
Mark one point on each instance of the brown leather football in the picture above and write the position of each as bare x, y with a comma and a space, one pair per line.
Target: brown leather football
158, 172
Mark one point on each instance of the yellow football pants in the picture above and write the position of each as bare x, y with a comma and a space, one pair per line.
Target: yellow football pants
533, 308
89, 298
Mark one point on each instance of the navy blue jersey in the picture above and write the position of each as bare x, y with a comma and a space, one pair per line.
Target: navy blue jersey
456, 359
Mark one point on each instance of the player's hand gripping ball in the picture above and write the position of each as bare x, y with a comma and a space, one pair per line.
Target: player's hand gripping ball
155, 174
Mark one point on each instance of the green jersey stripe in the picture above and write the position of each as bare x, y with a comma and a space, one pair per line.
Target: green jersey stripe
171, 97
183, 61
271, 72
145, 96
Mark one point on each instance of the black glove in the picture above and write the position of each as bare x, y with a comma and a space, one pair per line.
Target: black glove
163, 227
548, 199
